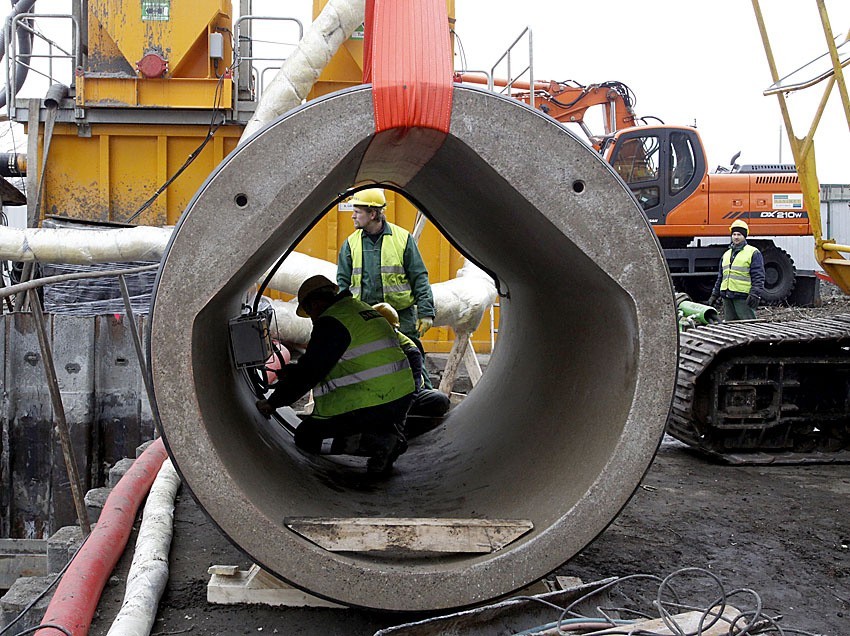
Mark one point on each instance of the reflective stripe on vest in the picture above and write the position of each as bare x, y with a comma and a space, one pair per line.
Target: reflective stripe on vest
372, 371
736, 274
394, 281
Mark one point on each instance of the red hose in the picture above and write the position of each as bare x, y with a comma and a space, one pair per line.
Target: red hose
78, 593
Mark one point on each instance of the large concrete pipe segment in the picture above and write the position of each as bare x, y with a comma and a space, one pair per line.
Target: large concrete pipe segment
558, 432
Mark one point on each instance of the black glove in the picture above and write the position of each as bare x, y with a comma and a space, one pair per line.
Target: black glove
265, 408
712, 299
752, 301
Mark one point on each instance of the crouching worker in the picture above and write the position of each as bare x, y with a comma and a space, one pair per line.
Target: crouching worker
361, 380
426, 402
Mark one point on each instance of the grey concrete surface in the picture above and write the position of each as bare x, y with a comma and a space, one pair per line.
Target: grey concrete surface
582, 377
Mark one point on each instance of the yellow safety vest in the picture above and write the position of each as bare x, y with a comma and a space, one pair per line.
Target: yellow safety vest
394, 281
372, 371
736, 275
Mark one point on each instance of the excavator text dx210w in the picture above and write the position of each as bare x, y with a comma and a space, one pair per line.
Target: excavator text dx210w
666, 169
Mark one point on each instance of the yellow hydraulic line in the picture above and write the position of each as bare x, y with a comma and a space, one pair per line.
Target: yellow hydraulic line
835, 247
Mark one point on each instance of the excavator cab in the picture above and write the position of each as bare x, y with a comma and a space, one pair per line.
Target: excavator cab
662, 166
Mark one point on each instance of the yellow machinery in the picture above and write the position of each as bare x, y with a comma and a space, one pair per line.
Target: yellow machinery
155, 86
827, 252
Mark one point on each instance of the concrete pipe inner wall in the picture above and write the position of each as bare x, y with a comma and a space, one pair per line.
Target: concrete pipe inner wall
560, 429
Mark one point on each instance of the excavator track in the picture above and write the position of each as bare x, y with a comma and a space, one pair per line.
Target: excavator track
760, 392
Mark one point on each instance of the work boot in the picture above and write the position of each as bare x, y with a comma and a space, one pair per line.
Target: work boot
381, 462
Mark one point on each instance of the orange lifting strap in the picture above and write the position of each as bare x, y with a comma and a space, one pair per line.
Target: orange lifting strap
407, 57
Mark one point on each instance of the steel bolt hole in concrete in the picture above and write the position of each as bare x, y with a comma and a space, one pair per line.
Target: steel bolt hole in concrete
560, 429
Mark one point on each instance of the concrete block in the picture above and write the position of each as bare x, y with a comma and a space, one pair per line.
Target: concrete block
95, 500
21, 594
119, 470
143, 447
62, 546
21, 557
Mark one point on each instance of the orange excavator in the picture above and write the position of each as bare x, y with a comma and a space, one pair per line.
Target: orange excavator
666, 169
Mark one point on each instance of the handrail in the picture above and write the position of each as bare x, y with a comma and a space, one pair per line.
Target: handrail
528, 69
15, 22
238, 58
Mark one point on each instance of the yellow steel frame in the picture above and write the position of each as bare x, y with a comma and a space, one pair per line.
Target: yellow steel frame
827, 252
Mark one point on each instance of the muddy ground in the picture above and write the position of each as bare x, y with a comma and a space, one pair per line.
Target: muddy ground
781, 531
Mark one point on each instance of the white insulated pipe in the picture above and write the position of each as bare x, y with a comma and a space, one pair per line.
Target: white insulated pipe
83, 247
460, 303
299, 72
149, 570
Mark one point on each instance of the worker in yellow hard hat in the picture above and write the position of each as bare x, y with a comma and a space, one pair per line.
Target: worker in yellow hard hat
380, 262
740, 281
361, 380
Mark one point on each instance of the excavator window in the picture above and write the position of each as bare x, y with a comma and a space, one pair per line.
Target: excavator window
637, 161
682, 158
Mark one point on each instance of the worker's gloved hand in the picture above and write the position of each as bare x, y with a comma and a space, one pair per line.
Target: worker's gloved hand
265, 408
424, 324
712, 300
752, 301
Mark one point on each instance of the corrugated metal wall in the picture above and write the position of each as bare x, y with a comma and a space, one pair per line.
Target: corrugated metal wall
105, 405
835, 212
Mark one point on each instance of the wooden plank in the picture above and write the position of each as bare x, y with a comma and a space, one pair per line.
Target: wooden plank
256, 586
420, 535
453, 362
470, 361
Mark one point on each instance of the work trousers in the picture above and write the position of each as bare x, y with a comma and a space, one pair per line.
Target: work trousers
737, 309
364, 432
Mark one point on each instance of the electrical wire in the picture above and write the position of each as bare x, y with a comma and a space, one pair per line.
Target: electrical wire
750, 621
41, 594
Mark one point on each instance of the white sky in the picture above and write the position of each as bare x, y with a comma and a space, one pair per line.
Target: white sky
687, 61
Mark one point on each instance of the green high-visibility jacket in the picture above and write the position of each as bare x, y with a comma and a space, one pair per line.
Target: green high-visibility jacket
736, 274
372, 371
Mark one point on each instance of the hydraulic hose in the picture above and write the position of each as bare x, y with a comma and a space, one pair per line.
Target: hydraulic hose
78, 593
24, 46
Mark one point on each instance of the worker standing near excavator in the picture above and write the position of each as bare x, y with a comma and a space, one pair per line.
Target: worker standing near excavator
740, 281
361, 380
380, 262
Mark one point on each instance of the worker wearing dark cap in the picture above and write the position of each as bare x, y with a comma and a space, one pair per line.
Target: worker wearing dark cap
361, 379
740, 281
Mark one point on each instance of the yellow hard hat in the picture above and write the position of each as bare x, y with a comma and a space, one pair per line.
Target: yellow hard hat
370, 198
387, 311
739, 226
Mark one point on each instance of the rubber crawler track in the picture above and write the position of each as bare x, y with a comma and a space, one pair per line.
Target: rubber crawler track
703, 350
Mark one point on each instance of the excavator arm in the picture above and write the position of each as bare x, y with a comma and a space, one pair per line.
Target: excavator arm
569, 101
